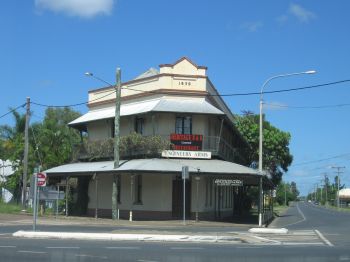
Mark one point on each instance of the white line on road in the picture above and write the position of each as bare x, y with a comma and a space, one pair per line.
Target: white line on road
122, 247
90, 256
324, 238
31, 252
62, 247
187, 248
302, 215
142, 260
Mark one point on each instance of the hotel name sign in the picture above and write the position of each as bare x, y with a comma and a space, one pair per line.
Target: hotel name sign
228, 182
186, 154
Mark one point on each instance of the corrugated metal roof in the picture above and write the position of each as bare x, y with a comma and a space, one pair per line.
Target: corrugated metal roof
150, 72
191, 106
156, 165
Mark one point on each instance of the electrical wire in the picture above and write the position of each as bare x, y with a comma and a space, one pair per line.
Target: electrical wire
9, 112
321, 160
307, 107
212, 95
255, 93
73, 105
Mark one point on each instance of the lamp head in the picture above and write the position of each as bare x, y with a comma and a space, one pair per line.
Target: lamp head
89, 74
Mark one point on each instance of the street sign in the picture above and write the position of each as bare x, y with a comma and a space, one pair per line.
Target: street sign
41, 178
185, 173
228, 182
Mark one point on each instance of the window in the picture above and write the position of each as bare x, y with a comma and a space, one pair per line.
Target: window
138, 189
139, 125
183, 125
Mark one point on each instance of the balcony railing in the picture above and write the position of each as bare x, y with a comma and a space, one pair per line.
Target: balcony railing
137, 146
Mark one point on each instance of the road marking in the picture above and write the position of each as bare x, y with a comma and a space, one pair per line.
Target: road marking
122, 247
31, 252
90, 256
324, 238
187, 248
302, 215
62, 247
142, 260
7, 246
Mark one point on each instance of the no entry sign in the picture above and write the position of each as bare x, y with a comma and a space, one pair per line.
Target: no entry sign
41, 178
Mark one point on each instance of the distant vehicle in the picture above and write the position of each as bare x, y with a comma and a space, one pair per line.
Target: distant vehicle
309, 201
316, 203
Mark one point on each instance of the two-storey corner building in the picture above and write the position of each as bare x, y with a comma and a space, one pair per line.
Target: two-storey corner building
178, 106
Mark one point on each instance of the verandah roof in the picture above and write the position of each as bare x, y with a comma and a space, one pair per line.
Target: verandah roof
191, 106
158, 165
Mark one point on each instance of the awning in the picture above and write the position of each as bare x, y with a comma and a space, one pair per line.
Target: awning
155, 165
189, 106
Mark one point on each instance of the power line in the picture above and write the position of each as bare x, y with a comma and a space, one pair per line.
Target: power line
255, 93
212, 95
321, 160
73, 105
9, 112
308, 107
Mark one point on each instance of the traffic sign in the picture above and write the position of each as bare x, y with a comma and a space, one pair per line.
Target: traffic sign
41, 178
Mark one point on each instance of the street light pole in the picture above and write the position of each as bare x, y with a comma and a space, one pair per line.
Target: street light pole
117, 87
261, 131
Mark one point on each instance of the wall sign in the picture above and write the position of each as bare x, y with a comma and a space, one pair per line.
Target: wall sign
228, 182
186, 142
186, 154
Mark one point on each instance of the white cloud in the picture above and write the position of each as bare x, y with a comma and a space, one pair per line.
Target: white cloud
252, 26
301, 13
282, 19
81, 8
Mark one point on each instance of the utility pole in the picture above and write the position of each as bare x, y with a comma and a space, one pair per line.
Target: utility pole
116, 145
326, 187
25, 158
339, 168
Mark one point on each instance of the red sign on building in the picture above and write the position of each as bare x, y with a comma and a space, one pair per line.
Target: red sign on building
186, 142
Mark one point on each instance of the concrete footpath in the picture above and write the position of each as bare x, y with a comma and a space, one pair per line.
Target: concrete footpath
85, 228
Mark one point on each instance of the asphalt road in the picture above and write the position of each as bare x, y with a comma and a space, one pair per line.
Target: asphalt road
332, 225
65, 250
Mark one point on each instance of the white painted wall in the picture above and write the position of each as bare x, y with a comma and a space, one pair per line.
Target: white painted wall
156, 193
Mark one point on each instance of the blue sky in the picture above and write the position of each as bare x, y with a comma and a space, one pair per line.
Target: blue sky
46, 46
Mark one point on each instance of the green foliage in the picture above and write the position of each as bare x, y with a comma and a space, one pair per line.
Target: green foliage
326, 191
7, 208
131, 146
286, 192
50, 143
276, 154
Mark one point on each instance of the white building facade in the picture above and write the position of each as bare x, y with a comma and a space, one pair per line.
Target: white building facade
180, 105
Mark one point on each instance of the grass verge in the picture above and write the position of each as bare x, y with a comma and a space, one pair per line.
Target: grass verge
6, 208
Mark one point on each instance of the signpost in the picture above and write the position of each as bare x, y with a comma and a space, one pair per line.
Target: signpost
39, 180
185, 175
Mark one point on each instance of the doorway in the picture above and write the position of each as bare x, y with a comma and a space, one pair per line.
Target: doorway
177, 205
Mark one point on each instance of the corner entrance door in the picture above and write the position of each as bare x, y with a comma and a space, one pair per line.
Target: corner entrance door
178, 199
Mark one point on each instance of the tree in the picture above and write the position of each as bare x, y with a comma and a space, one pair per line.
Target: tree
12, 147
53, 139
276, 154
286, 192
50, 143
